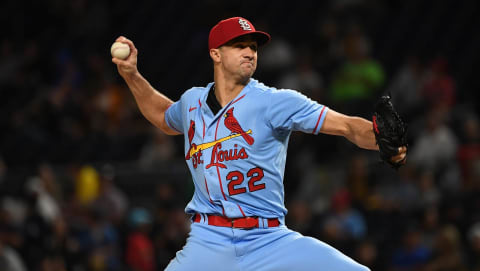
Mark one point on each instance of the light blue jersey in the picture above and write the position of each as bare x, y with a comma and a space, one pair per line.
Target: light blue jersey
237, 157
237, 160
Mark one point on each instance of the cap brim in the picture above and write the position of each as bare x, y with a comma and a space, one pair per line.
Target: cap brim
260, 37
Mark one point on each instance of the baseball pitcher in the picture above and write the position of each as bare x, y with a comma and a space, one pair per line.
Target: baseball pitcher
236, 133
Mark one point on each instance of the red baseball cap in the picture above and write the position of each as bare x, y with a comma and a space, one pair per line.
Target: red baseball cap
228, 29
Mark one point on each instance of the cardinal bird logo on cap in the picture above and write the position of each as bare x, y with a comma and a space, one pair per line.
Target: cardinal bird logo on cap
232, 124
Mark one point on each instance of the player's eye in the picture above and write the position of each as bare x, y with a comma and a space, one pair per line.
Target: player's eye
252, 46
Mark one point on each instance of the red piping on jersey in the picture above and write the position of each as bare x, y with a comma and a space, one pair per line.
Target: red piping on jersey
166, 122
200, 105
218, 171
206, 186
216, 130
203, 127
239, 98
220, 181
318, 121
241, 210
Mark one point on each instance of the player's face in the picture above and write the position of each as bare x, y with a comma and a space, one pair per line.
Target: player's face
239, 57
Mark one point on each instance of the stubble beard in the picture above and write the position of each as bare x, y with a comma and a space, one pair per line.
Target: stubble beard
246, 73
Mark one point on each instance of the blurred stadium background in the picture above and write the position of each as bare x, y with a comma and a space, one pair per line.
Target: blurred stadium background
87, 184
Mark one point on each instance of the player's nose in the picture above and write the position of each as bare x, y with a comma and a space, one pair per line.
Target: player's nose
249, 58
248, 53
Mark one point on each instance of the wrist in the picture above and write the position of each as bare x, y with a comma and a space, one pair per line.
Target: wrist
131, 76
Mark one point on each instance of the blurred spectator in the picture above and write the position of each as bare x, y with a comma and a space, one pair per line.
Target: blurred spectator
474, 247
405, 88
469, 150
327, 48
399, 192
300, 217
110, 197
38, 227
158, 151
412, 254
140, 255
357, 81
303, 77
87, 184
49, 181
358, 177
165, 200
110, 99
11, 62
41, 189
170, 237
436, 146
3, 170
343, 222
429, 192
276, 58
366, 253
316, 185
430, 225
44, 225
10, 260
171, 224
456, 212
99, 240
439, 90
447, 251
470, 197
11, 225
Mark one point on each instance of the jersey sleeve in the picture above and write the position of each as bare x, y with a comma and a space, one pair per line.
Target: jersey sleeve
173, 116
291, 110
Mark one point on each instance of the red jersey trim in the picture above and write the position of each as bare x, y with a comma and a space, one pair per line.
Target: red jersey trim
239, 98
318, 121
241, 210
166, 120
206, 186
218, 171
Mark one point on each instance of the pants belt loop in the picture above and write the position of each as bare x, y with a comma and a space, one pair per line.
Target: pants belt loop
262, 223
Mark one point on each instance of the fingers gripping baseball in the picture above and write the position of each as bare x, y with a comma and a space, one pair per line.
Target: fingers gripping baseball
127, 66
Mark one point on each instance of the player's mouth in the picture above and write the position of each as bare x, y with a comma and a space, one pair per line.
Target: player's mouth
247, 63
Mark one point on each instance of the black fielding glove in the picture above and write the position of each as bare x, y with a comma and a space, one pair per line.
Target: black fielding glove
390, 131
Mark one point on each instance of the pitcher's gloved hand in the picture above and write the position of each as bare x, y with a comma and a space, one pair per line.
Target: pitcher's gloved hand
390, 133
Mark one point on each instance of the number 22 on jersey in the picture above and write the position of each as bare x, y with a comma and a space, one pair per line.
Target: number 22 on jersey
236, 178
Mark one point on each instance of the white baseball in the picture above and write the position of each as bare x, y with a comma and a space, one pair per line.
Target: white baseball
120, 50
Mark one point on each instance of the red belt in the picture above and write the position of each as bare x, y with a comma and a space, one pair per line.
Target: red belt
243, 222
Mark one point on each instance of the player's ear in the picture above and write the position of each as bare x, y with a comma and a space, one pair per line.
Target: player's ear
215, 55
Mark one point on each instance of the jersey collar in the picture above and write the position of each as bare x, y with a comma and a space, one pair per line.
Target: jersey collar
244, 91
